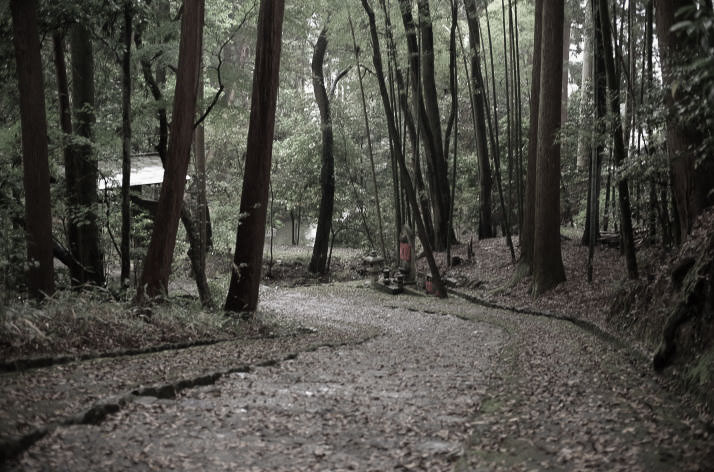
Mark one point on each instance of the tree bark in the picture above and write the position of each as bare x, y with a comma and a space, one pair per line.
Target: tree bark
436, 163
36, 175
597, 149
126, 148
199, 272
250, 237
566, 63
548, 268
583, 155
527, 234
199, 152
441, 193
318, 262
619, 152
493, 132
420, 186
485, 225
82, 187
65, 116
157, 265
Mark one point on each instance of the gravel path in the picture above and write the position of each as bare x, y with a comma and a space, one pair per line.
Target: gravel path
444, 385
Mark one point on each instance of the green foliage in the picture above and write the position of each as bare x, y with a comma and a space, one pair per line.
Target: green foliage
12, 236
694, 79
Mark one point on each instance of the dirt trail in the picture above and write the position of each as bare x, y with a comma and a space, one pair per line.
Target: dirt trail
444, 385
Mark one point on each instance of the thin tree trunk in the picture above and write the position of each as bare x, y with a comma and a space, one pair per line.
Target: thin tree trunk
412, 128
250, 237
36, 174
65, 115
199, 148
418, 178
485, 226
597, 148
584, 136
126, 148
401, 212
434, 150
619, 153
566, 63
608, 187
519, 124
527, 235
318, 262
157, 265
369, 140
453, 120
509, 134
440, 193
495, 147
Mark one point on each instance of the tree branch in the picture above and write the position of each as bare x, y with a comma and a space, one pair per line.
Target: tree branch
340, 76
221, 86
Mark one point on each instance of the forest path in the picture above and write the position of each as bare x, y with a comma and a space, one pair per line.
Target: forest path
444, 385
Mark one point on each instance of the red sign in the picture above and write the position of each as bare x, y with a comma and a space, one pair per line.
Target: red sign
405, 252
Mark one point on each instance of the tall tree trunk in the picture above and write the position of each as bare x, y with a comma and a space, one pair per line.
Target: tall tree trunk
608, 192
250, 238
126, 147
318, 262
85, 246
566, 64
157, 264
548, 270
592, 224
493, 131
509, 129
419, 184
36, 174
453, 119
401, 212
485, 225
691, 183
527, 234
434, 150
410, 128
518, 116
421, 231
65, 116
199, 152
440, 193
619, 153
597, 148
584, 154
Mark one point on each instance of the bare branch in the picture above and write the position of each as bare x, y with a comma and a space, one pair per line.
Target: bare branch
221, 86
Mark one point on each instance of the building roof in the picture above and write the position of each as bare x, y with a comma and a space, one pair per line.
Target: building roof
145, 170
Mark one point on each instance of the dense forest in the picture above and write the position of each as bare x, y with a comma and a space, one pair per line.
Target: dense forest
463, 120
370, 235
